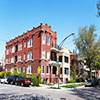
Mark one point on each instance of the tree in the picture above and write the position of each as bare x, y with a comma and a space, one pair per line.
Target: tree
15, 72
88, 46
8, 74
98, 7
2, 74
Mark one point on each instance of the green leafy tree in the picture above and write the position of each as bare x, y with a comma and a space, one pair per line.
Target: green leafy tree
88, 46
3, 74
22, 74
8, 74
35, 80
15, 71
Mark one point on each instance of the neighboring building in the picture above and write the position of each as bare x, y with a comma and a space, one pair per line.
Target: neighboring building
2, 64
74, 62
64, 58
31, 50
0, 67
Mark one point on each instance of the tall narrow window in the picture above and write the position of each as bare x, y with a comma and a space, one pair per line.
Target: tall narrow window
6, 61
20, 58
30, 43
43, 39
12, 60
43, 69
7, 51
48, 55
24, 56
66, 71
11, 69
48, 40
29, 69
66, 59
20, 46
24, 69
30, 56
19, 69
48, 69
60, 58
24, 44
43, 54
13, 49
52, 43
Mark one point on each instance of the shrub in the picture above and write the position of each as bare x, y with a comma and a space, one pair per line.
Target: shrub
80, 80
15, 72
8, 74
22, 74
35, 80
71, 81
2, 74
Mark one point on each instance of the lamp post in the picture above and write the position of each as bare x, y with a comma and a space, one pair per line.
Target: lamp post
61, 44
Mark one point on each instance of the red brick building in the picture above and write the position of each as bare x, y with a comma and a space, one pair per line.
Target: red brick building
74, 62
32, 49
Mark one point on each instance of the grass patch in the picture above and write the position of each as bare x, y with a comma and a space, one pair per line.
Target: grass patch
54, 88
71, 86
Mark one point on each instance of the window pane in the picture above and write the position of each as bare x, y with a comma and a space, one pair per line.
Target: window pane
30, 43
43, 54
29, 69
66, 59
48, 55
43, 69
30, 56
13, 49
52, 43
43, 39
60, 58
48, 40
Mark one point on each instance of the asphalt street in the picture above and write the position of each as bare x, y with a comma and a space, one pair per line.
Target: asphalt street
12, 92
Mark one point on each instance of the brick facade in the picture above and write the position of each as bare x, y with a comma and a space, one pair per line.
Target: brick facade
30, 45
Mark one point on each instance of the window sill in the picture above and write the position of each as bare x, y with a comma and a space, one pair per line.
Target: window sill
42, 73
29, 60
29, 73
47, 73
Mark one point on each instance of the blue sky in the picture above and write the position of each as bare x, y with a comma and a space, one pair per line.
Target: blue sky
64, 17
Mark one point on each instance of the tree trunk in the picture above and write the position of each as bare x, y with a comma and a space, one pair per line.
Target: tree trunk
90, 74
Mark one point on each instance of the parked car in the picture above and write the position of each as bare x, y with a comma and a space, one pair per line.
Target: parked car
23, 81
12, 79
3, 80
93, 82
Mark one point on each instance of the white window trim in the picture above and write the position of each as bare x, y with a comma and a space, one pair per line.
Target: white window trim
29, 69
43, 41
12, 60
30, 44
13, 49
7, 52
41, 70
29, 55
24, 44
48, 55
43, 53
19, 58
20, 47
24, 69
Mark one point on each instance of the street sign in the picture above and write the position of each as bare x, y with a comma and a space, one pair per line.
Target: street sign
58, 64
38, 70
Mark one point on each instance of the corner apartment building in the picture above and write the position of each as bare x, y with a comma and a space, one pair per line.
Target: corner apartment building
31, 50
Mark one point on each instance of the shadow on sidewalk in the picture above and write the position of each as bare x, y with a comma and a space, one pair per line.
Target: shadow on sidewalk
87, 93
